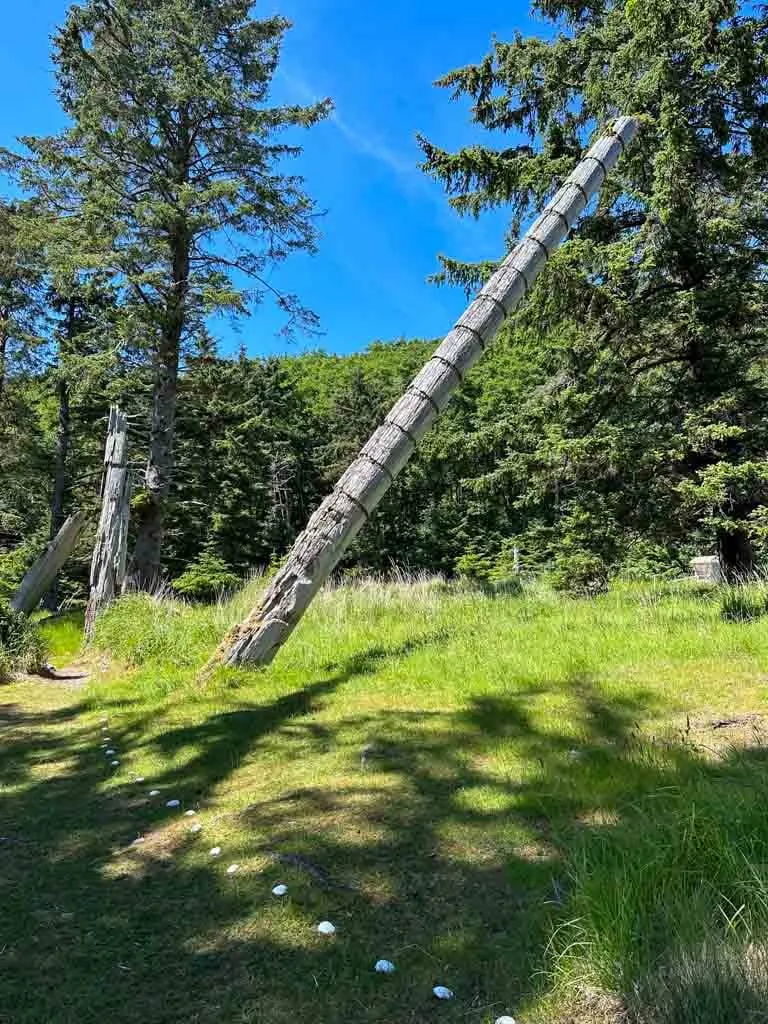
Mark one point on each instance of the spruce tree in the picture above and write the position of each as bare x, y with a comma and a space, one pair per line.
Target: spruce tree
21, 290
174, 153
650, 327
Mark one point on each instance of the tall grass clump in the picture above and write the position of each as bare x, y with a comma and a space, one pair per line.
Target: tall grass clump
669, 904
22, 648
744, 602
140, 628
708, 985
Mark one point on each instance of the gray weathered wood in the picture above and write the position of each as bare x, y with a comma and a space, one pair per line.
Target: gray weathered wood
41, 575
111, 548
340, 517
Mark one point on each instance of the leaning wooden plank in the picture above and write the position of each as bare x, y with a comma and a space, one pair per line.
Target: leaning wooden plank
355, 497
110, 550
38, 580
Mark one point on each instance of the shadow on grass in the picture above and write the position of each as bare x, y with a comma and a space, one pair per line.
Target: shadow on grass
443, 840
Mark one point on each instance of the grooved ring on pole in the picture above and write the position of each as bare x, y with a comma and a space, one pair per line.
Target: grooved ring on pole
561, 215
539, 242
524, 276
615, 135
496, 302
426, 397
402, 429
598, 161
380, 465
475, 334
355, 501
575, 184
449, 364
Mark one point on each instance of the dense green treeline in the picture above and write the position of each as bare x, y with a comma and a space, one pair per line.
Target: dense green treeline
620, 424
259, 442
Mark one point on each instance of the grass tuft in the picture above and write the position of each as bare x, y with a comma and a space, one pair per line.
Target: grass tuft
22, 648
744, 602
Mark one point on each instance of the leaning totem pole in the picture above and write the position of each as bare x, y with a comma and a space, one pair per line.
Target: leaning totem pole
345, 511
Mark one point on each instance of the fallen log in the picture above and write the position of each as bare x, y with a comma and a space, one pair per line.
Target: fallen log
41, 575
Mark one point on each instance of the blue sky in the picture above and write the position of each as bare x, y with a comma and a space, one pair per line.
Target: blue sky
386, 221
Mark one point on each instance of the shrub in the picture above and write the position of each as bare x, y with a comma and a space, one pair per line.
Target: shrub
13, 565
473, 568
494, 575
644, 560
580, 573
22, 648
505, 572
206, 579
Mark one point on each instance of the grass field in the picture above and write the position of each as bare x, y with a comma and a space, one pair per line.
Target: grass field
556, 808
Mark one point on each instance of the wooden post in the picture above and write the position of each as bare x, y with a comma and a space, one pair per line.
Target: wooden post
38, 580
341, 516
111, 549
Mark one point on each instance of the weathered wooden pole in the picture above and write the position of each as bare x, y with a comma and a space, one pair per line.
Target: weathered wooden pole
41, 575
111, 549
340, 517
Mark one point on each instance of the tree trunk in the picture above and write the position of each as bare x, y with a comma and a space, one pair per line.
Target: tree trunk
109, 553
737, 557
60, 480
39, 578
354, 499
3, 355
145, 570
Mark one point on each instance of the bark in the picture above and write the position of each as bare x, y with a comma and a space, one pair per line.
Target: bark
39, 578
3, 356
145, 570
60, 480
109, 554
737, 557
354, 499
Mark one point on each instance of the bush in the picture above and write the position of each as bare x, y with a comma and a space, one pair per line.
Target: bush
473, 568
579, 573
497, 575
206, 579
645, 560
505, 572
13, 565
743, 604
22, 648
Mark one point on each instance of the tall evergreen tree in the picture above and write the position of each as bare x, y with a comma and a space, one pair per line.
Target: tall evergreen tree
22, 284
174, 152
651, 325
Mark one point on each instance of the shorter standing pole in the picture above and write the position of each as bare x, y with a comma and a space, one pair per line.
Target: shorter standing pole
111, 548
39, 578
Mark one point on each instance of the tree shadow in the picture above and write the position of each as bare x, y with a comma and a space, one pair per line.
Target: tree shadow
440, 839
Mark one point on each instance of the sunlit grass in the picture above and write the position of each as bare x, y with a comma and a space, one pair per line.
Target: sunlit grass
63, 636
527, 799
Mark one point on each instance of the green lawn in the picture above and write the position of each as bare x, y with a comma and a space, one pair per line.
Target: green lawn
530, 800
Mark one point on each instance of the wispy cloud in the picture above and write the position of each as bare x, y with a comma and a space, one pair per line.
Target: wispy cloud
370, 146
411, 180
365, 143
